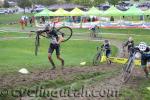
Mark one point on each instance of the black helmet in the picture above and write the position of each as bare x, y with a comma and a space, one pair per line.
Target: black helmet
106, 41
47, 27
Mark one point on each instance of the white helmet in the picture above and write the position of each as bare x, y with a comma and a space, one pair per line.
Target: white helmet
142, 46
130, 38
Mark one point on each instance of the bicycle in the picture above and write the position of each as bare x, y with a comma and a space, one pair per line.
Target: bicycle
65, 32
99, 57
129, 65
94, 33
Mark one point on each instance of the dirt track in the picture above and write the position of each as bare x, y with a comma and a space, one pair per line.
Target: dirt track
10, 81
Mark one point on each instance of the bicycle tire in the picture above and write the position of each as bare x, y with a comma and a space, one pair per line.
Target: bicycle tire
127, 71
36, 44
97, 59
66, 32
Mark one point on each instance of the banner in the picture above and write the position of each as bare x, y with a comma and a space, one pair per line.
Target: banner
120, 60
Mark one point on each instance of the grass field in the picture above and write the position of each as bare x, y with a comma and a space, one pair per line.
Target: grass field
16, 54
9, 18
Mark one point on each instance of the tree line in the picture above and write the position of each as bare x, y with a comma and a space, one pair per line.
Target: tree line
28, 3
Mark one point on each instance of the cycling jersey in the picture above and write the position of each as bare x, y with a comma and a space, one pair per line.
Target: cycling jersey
107, 49
53, 36
129, 44
145, 57
146, 53
106, 46
54, 42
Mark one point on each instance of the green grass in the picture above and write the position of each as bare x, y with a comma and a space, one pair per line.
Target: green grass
137, 92
9, 18
137, 38
120, 31
16, 54
12, 34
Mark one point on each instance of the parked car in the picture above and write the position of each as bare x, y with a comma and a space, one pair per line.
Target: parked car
2, 11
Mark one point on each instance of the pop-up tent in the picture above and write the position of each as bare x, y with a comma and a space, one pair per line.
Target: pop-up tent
147, 12
44, 12
113, 11
61, 12
77, 12
133, 11
94, 12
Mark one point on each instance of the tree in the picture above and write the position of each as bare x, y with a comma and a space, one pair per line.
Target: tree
87, 2
61, 1
44, 2
24, 3
6, 4
98, 2
114, 2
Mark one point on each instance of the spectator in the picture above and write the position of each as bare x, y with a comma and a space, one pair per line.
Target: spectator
25, 20
22, 22
30, 21
93, 19
42, 20
141, 17
112, 18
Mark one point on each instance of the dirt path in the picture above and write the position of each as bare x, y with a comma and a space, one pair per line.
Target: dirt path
10, 81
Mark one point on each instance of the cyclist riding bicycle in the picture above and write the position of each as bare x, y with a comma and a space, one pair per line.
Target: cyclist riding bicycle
106, 47
145, 57
93, 29
129, 44
54, 45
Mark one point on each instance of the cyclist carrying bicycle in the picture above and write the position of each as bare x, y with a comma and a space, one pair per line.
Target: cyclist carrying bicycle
54, 45
129, 44
145, 57
106, 47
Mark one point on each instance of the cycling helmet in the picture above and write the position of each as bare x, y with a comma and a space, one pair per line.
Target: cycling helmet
130, 39
106, 41
142, 46
47, 26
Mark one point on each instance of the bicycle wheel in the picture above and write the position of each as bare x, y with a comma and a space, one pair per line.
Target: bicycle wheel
66, 32
98, 33
127, 71
37, 42
97, 59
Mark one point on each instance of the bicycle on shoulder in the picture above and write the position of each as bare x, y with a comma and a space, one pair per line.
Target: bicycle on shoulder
64, 31
129, 65
129, 44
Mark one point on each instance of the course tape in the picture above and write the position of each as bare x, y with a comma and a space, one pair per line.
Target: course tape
120, 60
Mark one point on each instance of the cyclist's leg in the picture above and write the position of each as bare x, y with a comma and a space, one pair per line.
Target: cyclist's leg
108, 54
143, 65
148, 65
50, 51
94, 33
129, 51
58, 55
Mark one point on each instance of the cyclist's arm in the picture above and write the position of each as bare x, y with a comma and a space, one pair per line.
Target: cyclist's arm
102, 47
132, 43
125, 44
60, 39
